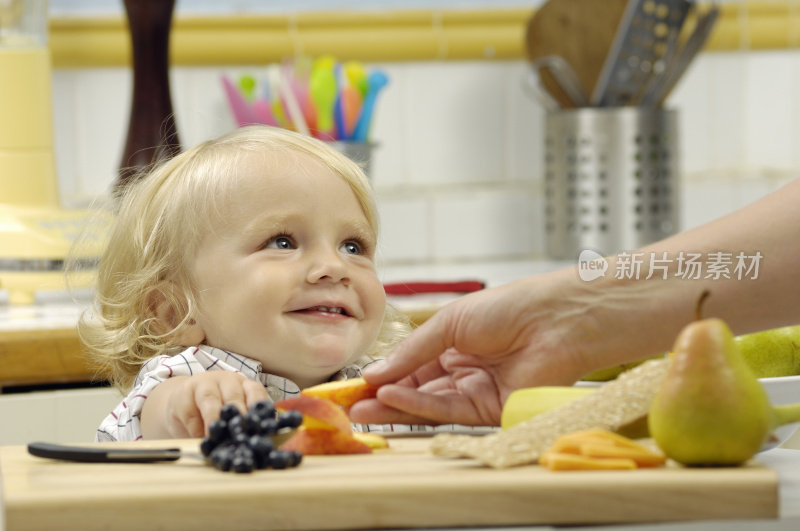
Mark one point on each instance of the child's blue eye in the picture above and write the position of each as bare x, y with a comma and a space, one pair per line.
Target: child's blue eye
280, 242
351, 247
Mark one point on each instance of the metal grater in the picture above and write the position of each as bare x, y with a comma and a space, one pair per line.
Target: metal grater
644, 41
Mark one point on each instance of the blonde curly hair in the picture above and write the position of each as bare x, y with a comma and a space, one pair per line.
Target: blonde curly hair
156, 232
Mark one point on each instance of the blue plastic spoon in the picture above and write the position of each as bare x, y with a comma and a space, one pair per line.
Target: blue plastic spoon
376, 81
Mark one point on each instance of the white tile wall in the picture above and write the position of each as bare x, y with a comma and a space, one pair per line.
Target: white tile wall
458, 162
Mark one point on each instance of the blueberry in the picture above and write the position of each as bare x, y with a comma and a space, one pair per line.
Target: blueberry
228, 412
236, 425
267, 426
290, 419
279, 459
243, 461
264, 409
207, 445
222, 457
295, 458
260, 444
251, 421
218, 430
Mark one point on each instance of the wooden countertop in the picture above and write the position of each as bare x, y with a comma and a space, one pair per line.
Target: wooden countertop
403, 486
39, 345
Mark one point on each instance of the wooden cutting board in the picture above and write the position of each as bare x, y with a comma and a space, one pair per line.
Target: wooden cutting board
400, 487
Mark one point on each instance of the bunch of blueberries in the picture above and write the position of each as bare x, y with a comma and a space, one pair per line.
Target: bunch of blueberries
242, 443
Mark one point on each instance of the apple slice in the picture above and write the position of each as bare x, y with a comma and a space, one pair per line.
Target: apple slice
325, 442
318, 414
342, 392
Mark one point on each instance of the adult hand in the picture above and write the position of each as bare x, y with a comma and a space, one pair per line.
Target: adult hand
461, 365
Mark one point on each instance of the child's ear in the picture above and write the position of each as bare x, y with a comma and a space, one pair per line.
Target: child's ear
160, 301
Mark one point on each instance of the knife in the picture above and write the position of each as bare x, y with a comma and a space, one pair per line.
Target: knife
106, 453
103, 454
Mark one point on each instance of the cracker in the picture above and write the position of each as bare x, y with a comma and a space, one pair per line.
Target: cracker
615, 404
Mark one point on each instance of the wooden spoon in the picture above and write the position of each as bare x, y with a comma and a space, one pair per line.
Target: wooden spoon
580, 32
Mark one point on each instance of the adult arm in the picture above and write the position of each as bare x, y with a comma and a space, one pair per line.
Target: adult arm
551, 329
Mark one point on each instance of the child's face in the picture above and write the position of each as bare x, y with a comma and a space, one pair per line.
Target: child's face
288, 278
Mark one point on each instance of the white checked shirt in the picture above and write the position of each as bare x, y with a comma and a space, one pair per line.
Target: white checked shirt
123, 424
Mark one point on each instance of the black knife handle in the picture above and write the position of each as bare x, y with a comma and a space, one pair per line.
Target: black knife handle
102, 453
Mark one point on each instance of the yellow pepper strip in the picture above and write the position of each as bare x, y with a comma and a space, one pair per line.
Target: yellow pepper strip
641, 456
598, 450
562, 461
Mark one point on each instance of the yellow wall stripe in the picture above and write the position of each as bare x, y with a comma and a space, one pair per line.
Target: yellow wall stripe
377, 36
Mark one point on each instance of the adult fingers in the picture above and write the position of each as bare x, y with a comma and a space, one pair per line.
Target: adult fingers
372, 411
424, 344
445, 408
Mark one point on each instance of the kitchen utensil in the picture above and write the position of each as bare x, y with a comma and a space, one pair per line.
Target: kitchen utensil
338, 106
262, 113
241, 109
662, 64
290, 102
247, 86
278, 106
533, 86
677, 67
351, 109
152, 133
323, 94
578, 31
292, 73
357, 76
375, 82
611, 179
109, 453
358, 152
639, 45
105, 453
564, 75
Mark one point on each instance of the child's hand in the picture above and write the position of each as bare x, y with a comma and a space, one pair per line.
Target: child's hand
184, 406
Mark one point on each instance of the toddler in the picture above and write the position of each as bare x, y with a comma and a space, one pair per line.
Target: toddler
240, 270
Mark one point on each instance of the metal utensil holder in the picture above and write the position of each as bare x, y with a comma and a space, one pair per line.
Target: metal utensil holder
611, 179
358, 152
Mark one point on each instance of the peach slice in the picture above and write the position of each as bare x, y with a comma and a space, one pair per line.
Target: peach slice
318, 414
342, 392
325, 442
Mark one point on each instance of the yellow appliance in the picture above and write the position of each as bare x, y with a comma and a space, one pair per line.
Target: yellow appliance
36, 234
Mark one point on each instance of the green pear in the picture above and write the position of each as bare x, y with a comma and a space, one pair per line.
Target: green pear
710, 409
772, 353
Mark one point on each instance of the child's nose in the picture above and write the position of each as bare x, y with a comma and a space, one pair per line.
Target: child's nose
328, 266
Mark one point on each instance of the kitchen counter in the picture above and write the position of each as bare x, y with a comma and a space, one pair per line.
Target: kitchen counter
399, 487
39, 344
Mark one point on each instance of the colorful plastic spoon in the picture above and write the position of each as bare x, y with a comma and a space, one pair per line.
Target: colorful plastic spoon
377, 80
